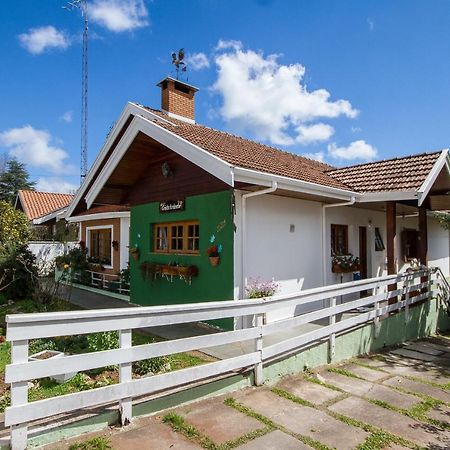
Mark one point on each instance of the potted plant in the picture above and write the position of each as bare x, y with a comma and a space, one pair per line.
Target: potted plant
213, 253
134, 251
257, 288
344, 263
53, 354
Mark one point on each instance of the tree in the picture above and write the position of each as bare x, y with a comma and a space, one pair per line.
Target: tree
14, 227
14, 177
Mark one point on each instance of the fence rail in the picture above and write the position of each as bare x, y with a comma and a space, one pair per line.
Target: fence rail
388, 294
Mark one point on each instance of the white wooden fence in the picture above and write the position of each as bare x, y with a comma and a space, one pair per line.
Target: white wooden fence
406, 289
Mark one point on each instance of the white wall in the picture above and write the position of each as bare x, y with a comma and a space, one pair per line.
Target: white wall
46, 252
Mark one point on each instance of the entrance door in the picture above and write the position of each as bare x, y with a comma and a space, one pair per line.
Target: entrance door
363, 251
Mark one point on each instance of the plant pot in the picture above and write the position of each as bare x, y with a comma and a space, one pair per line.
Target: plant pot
214, 260
338, 269
135, 255
53, 354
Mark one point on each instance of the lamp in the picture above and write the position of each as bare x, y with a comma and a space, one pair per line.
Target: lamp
166, 170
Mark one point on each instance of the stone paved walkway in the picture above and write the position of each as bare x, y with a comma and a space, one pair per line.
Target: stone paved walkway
394, 400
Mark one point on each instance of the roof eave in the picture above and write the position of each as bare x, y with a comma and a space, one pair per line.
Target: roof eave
434, 173
291, 184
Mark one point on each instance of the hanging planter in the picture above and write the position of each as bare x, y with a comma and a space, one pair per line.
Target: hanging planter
213, 253
214, 260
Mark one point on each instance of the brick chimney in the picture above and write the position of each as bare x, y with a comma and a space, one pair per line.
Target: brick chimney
177, 99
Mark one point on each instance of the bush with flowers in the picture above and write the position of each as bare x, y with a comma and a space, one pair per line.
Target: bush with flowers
257, 288
344, 262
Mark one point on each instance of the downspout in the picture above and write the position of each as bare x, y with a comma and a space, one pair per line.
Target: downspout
273, 188
324, 234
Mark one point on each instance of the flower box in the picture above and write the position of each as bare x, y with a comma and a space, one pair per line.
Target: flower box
336, 268
53, 354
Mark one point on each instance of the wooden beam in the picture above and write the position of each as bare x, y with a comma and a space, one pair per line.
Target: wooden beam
423, 236
390, 236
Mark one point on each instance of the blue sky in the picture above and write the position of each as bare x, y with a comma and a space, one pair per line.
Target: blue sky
344, 81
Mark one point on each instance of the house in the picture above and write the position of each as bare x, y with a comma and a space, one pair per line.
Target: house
43, 210
104, 231
271, 214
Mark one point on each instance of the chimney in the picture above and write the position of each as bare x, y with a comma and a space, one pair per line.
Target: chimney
177, 99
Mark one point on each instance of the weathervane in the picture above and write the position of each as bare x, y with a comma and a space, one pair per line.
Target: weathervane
178, 61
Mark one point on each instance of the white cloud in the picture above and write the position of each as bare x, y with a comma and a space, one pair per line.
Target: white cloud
197, 61
318, 156
371, 24
119, 15
357, 150
55, 184
356, 129
67, 117
309, 134
33, 147
38, 40
269, 99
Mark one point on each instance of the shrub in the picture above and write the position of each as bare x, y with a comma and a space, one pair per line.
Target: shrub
153, 365
18, 270
39, 345
14, 227
98, 342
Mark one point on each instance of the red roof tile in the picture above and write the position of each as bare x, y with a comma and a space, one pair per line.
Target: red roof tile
398, 174
37, 204
241, 152
104, 209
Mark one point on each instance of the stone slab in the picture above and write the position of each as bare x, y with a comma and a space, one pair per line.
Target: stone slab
415, 369
151, 434
218, 421
370, 390
420, 388
395, 423
276, 440
365, 372
436, 345
412, 354
304, 420
423, 348
441, 413
312, 392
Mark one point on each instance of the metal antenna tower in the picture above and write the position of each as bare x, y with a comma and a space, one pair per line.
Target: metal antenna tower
82, 6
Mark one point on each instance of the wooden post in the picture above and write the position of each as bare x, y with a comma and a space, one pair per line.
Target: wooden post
125, 374
391, 230
19, 395
259, 376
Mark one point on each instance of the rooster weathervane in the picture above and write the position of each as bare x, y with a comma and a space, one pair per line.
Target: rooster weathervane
177, 61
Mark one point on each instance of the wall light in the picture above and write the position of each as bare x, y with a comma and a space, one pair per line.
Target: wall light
166, 170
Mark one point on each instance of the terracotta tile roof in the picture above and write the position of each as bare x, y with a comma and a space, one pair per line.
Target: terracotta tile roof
37, 204
248, 154
398, 174
103, 209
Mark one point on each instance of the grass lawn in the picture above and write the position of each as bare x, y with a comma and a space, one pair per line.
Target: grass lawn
45, 388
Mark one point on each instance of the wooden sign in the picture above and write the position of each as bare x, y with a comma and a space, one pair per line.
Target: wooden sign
173, 206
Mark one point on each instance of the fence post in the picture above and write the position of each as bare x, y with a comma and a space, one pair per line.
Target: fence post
259, 377
19, 395
332, 341
125, 374
408, 285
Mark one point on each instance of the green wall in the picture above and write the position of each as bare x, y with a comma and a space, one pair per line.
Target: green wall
213, 211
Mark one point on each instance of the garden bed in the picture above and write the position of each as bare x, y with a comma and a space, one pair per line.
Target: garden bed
46, 388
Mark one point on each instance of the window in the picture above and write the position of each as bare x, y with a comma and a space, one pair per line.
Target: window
339, 239
100, 245
379, 244
176, 237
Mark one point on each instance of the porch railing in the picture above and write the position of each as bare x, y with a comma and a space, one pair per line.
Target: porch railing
409, 288
105, 281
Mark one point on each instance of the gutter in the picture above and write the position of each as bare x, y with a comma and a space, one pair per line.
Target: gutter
324, 234
273, 188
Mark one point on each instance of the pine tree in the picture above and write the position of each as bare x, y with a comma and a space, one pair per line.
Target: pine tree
14, 177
